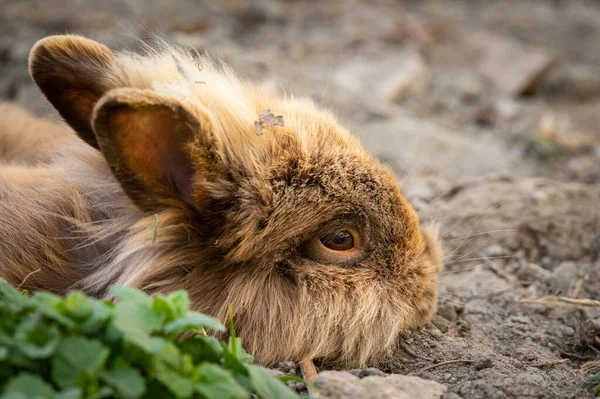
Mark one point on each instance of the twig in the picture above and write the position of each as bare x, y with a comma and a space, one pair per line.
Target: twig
561, 300
550, 364
26, 277
445, 363
575, 356
590, 367
411, 353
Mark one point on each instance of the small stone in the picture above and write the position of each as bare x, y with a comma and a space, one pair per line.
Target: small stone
507, 108
436, 334
343, 385
512, 67
447, 376
567, 331
288, 367
391, 77
277, 373
441, 323
483, 364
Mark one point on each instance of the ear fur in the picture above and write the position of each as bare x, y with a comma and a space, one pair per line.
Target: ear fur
147, 141
73, 74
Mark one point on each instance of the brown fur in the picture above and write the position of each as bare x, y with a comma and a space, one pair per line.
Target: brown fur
235, 209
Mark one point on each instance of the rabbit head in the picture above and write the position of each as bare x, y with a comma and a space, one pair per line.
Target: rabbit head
306, 236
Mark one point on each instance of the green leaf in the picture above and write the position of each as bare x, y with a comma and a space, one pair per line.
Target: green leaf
104, 392
127, 382
11, 296
155, 227
202, 349
232, 339
36, 339
161, 307
156, 390
3, 354
211, 381
135, 322
268, 387
31, 386
71, 393
76, 358
101, 314
14, 395
180, 303
190, 321
231, 362
131, 295
77, 305
179, 385
50, 305
168, 354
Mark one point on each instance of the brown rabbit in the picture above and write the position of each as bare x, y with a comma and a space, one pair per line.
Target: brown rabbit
167, 185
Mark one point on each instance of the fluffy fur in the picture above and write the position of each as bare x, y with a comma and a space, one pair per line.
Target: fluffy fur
177, 144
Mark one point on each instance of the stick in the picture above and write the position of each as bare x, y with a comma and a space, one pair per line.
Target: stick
561, 300
411, 353
445, 363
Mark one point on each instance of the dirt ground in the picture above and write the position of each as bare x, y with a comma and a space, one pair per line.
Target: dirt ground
489, 113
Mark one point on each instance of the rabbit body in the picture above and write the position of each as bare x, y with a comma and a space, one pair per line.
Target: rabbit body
164, 183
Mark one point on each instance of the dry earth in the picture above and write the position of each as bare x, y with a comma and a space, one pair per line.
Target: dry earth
489, 113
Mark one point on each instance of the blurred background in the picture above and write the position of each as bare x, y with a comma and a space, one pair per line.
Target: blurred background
487, 111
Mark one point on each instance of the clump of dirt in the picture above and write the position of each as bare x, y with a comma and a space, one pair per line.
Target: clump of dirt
488, 113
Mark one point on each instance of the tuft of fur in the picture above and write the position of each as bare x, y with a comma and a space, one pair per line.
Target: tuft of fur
75, 217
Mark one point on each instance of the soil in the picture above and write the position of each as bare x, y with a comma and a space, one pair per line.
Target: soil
489, 113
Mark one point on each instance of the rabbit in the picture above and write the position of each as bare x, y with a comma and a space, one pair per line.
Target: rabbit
162, 181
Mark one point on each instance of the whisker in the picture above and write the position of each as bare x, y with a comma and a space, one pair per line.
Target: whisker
465, 294
473, 219
480, 234
489, 258
464, 255
465, 269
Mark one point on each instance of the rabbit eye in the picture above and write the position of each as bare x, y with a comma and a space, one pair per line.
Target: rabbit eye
339, 241
341, 246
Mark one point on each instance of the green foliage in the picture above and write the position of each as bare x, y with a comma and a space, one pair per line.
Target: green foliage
76, 347
592, 384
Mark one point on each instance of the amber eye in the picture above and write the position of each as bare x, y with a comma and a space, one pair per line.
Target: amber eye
339, 241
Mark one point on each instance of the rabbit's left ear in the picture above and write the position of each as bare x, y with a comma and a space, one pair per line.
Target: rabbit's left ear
73, 73
150, 143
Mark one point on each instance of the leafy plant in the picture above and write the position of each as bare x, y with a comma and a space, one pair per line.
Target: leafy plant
592, 384
76, 347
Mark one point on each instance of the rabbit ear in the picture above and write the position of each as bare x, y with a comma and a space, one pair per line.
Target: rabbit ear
147, 140
73, 73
